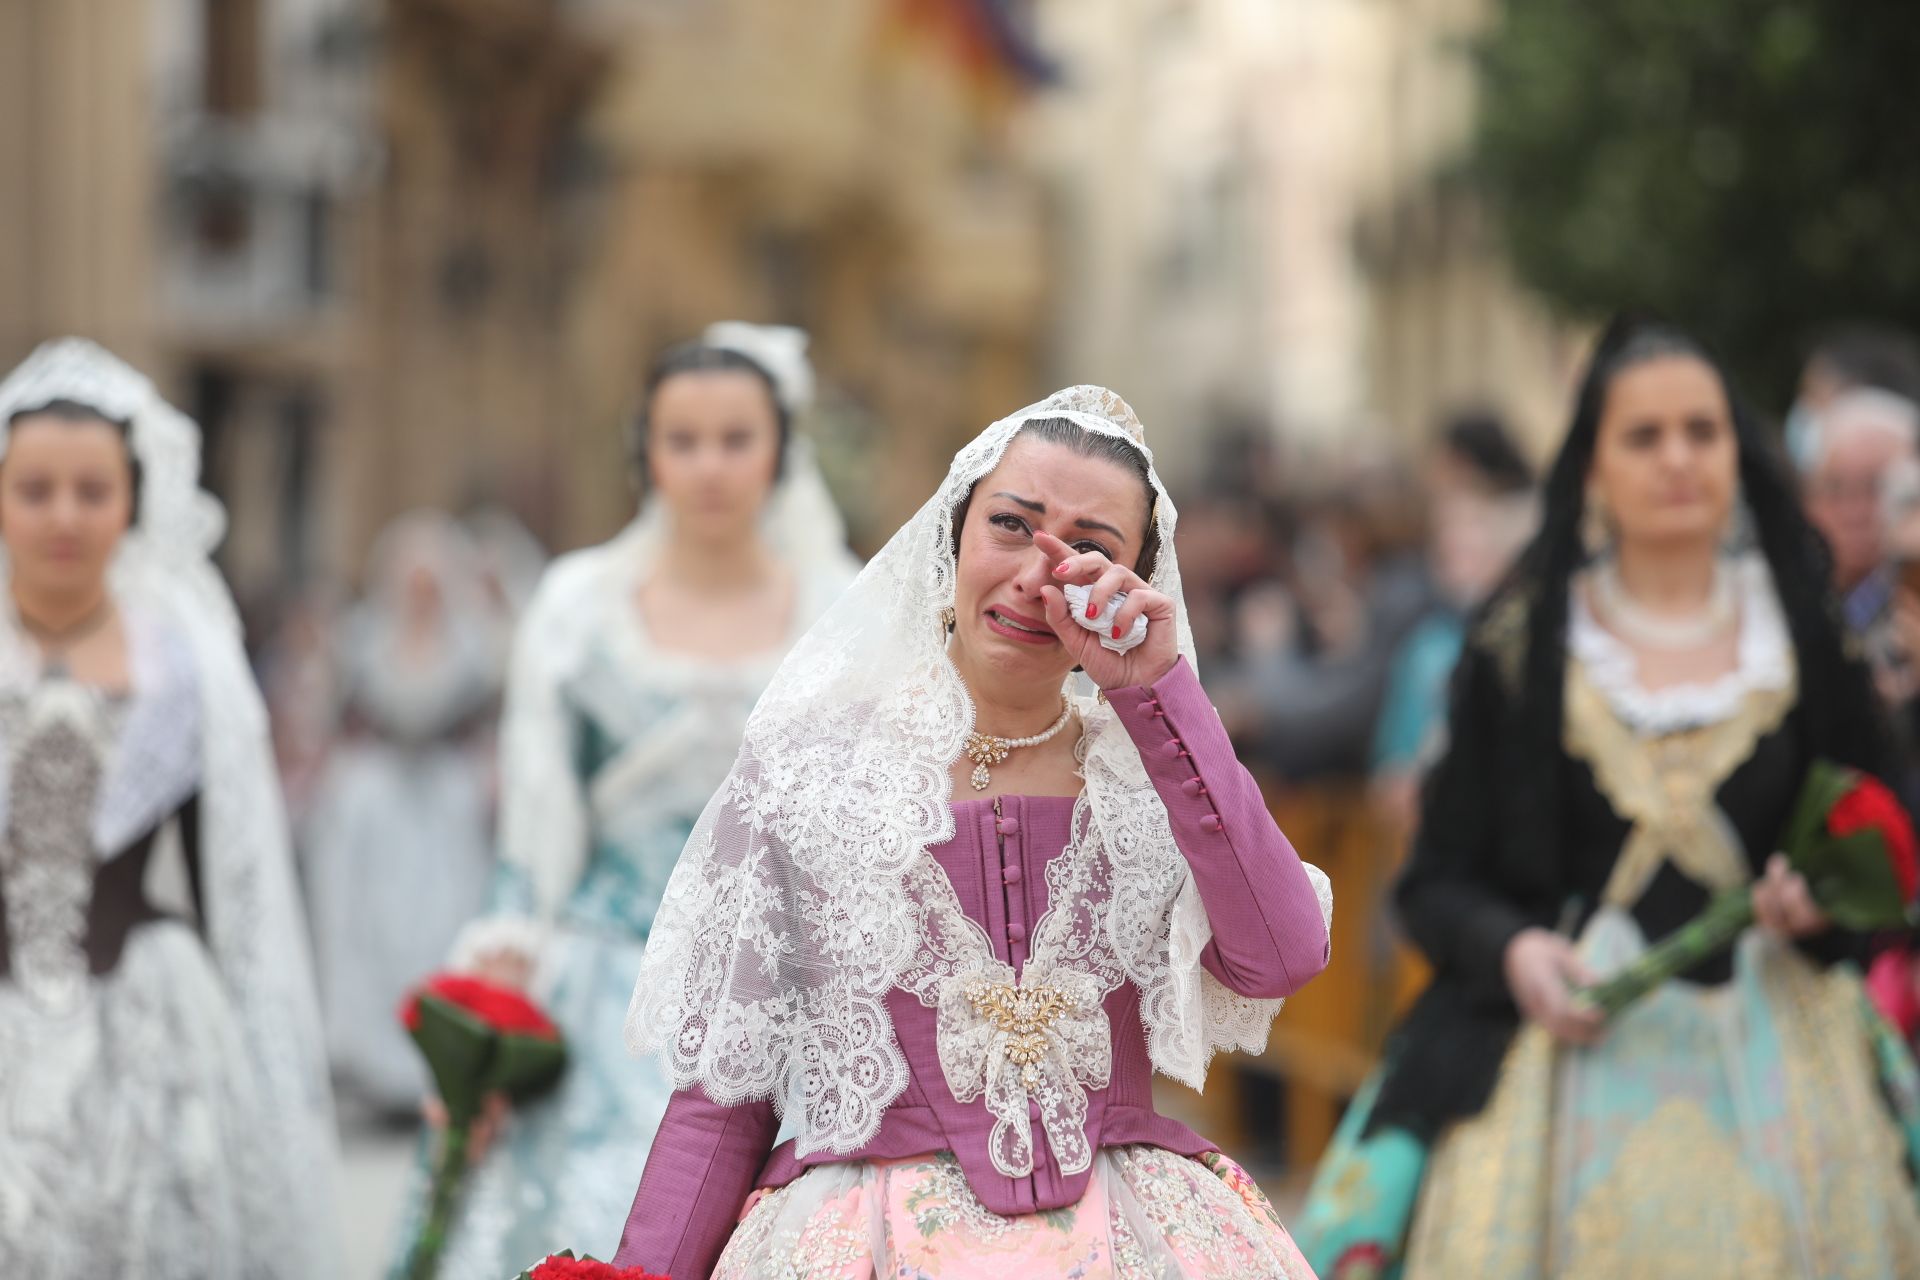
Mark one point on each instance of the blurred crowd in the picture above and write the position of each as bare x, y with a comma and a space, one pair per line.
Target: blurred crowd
1329, 601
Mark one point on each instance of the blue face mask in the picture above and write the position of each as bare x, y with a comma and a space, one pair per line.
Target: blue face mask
1802, 432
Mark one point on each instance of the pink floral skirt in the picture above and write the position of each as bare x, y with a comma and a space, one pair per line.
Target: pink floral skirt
1148, 1214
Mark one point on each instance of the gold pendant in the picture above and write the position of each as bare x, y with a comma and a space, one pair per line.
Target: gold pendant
983, 751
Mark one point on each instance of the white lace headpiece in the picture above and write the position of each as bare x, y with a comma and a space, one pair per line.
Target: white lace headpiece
806, 893
780, 349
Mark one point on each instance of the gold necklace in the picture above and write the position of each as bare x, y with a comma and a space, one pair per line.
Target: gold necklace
984, 749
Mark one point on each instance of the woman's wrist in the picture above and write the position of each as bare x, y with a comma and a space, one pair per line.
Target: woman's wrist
1145, 680
1146, 684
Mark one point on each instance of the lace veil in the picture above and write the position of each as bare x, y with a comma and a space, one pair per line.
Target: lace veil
806, 893
163, 572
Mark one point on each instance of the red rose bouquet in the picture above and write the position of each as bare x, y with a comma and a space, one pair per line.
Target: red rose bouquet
478, 1039
1851, 840
564, 1266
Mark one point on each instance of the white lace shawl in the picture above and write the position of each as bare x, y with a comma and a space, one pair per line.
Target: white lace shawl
807, 893
163, 577
545, 823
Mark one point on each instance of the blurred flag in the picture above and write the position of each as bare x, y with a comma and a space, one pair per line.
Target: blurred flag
987, 38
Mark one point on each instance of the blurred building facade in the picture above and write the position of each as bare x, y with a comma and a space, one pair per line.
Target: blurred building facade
568, 187
1206, 152
418, 252
565, 186
1448, 324
844, 165
1263, 219
266, 155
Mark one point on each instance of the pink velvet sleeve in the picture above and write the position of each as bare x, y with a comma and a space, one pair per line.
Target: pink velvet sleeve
699, 1173
1268, 937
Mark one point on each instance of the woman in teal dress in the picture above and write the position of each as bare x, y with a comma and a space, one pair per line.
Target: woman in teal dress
636, 666
1631, 721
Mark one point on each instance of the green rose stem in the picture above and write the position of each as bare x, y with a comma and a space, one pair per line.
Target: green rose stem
1725, 917
448, 1173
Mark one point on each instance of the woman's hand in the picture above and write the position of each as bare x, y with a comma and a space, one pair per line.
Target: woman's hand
486, 1125
1145, 663
1783, 905
506, 967
1542, 969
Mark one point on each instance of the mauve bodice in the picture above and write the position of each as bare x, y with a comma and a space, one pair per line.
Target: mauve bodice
1269, 939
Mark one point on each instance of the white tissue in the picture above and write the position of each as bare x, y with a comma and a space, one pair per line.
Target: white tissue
1077, 606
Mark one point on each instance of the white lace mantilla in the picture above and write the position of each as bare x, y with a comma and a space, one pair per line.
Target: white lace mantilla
807, 893
1764, 661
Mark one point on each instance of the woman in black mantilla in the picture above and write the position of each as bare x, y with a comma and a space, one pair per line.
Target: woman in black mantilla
1631, 721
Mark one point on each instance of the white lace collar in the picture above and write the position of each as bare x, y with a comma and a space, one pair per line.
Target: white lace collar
1765, 660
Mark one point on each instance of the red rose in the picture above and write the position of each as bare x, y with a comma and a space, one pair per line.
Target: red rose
1869, 806
501, 1008
562, 1267
1364, 1259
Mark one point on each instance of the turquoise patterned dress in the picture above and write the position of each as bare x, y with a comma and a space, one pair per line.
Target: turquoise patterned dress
611, 747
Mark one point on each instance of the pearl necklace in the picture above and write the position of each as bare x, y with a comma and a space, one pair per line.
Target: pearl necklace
1635, 623
984, 749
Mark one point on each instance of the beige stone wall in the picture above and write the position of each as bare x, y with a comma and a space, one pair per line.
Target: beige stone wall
1228, 208
76, 175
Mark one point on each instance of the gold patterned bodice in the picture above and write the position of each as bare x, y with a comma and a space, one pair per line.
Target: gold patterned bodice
1665, 785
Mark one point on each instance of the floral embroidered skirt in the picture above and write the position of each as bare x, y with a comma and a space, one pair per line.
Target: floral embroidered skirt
1760, 1129
1148, 1214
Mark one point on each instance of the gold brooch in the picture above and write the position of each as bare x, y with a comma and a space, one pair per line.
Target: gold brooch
1024, 1014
